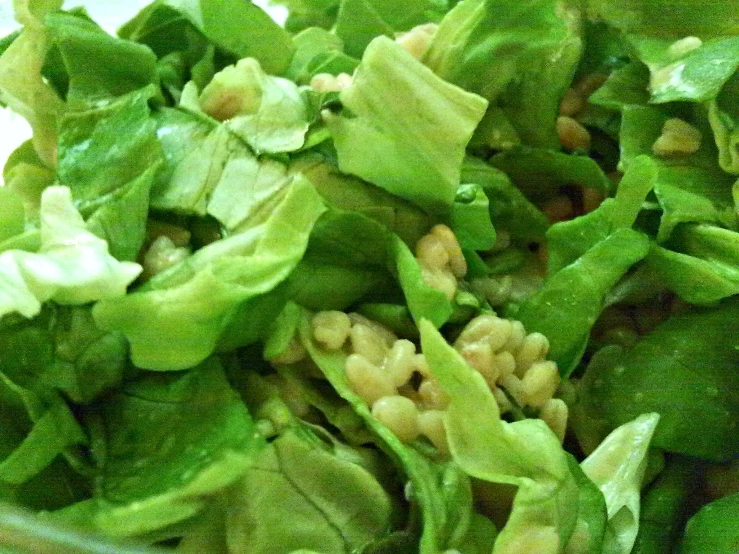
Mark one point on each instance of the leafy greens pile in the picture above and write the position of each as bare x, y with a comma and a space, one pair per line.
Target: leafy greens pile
140, 407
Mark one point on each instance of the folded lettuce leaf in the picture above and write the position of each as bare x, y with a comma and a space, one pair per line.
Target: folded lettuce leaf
188, 306
695, 73
27, 92
723, 116
701, 264
413, 153
358, 22
318, 51
569, 302
617, 467
525, 453
87, 66
72, 266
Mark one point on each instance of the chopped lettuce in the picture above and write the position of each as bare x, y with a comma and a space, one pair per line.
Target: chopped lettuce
416, 153
260, 174
72, 266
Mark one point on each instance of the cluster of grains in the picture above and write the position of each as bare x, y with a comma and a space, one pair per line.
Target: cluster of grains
441, 260
388, 374
514, 365
395, 381
678, 138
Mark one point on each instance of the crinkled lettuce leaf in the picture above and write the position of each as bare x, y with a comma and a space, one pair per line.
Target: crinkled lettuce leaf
617, 467
72, 266
188, 306
413, 153
519, 56
682, 370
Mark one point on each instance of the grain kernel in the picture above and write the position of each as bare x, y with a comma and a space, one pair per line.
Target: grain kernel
399, 414
431, 425
387, 335
480, 357
534, 347
399, 363
572, 135
431, 252
368, 343
516, 337
540, 383
432, 395
505, 363
331, 328
514, 387
449, 240
367, 380
554, 413
440, 279
572, 102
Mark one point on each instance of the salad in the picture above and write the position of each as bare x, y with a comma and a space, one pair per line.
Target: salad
413, 276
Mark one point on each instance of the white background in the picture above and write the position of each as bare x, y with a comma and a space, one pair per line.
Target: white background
109, 14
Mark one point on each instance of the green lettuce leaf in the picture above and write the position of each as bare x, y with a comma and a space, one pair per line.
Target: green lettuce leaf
570, 301
334, 504
723, 116
617, 467
470, 219
318, 51
358, 22
682, 370
662, 516
88, 67
520, 57
119, 137
72, 266
509, 207
171, 443
713, 529
695, 74
28, 93
240, 29
189, 305
701, 266
415, 154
